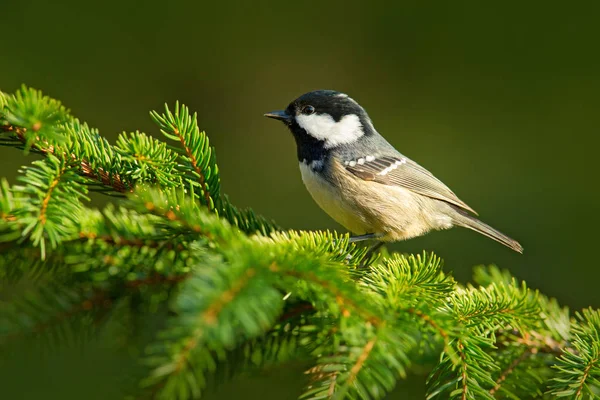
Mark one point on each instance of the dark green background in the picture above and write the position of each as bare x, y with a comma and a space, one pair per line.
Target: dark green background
500, 101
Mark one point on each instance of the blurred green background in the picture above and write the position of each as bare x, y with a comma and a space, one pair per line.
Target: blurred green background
500, 101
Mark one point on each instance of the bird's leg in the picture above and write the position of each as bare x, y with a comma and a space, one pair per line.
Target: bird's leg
367, 236
373, 249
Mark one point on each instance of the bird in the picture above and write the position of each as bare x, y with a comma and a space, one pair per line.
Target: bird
357, 177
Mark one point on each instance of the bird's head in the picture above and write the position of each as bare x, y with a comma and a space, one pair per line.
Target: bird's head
326, 117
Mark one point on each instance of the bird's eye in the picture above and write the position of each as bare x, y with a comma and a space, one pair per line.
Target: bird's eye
308, 110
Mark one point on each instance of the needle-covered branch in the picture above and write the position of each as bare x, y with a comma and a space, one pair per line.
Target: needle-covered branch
194, 288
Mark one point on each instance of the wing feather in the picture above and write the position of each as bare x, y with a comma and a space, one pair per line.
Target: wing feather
401, 171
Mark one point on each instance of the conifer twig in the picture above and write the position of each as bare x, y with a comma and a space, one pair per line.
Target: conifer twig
134, 242
194, 162
427, 319
360, 361
509, 370
96, 299
340, 298
463, 368
48, 196
584, 377
114, 181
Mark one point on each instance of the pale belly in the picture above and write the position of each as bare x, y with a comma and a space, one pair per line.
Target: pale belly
333, 203
368, 207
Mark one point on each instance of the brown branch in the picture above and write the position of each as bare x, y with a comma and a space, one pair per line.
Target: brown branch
586, 373
545, 344
362, 358
342, 300
7, 217
427, 319
331, 390
194, 162
85, 169
463, 358
48, 195
136, 242
465, 317
114, 181
534, 342
316, 374
340, 297
12, 128
212, 312
172, 216
210, 317
537, 342
97, 299
509, 370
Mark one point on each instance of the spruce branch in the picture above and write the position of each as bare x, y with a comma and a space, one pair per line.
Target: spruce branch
43, 125
503, 380
32, 116
579, 368
135, 159
233, 292
55, 195
197, 155
48, 308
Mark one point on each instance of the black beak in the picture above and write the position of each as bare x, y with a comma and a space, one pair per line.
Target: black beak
279, 115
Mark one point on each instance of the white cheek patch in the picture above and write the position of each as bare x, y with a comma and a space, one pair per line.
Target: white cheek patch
323, 127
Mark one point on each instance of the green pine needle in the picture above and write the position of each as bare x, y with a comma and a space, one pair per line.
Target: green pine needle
579, 367
198, 160
40, 118
54, 193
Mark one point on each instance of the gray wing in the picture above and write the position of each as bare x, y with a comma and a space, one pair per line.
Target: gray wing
401, 171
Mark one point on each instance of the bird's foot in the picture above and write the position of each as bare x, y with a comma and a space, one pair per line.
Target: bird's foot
372, 250
367, 236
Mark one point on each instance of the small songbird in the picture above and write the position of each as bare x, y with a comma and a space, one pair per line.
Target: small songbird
363, 182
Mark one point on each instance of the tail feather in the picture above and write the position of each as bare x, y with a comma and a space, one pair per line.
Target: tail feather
473, 223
